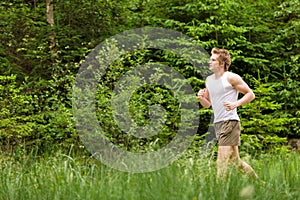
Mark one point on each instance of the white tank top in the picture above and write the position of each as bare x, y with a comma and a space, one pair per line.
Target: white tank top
220, 91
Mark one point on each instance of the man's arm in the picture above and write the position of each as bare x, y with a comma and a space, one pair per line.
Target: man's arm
240, 85
203, 97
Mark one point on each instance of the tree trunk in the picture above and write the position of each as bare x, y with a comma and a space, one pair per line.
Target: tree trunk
50, 21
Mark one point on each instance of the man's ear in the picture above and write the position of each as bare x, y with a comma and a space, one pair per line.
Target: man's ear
222, 63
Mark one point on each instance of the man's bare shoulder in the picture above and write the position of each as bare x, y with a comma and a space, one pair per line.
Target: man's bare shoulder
233, 78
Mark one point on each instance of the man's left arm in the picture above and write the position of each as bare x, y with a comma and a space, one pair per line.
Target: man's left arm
240, 85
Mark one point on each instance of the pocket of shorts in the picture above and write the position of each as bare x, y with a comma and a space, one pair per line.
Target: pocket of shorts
226, 127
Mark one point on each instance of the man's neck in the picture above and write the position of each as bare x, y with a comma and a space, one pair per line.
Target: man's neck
219, 74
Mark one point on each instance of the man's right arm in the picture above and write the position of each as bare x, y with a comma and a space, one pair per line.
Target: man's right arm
203, 97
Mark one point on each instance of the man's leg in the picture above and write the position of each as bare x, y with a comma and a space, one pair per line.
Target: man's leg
229, 154
246, 167
224, 155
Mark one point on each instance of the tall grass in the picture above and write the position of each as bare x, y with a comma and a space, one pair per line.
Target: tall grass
192, 177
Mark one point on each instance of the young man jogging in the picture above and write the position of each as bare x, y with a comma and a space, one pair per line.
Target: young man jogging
221, 92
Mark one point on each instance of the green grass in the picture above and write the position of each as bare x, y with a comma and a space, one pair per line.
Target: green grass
192, 177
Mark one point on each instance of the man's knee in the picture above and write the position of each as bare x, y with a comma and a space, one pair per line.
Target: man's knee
225, 152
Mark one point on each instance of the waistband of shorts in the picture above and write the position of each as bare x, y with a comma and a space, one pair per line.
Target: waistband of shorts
231, 120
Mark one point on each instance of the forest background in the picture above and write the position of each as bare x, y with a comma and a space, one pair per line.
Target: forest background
43, 44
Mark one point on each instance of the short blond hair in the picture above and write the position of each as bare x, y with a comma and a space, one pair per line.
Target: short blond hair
224, 57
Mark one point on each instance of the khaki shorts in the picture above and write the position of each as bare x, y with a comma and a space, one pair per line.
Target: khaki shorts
228, 133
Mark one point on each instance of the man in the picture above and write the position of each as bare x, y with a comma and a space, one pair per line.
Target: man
221, 92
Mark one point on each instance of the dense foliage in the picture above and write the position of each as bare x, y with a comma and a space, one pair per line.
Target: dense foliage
37, 77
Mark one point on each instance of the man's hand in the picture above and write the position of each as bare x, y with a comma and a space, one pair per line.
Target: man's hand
202, 94
230, 105
203, 97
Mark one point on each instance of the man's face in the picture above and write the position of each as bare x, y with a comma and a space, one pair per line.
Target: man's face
214, 64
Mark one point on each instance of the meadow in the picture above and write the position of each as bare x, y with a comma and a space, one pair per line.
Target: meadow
192, 177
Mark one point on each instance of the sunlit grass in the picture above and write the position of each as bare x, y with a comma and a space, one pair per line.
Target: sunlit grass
193, 176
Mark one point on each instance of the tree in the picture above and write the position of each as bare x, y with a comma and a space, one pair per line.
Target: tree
52, 34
